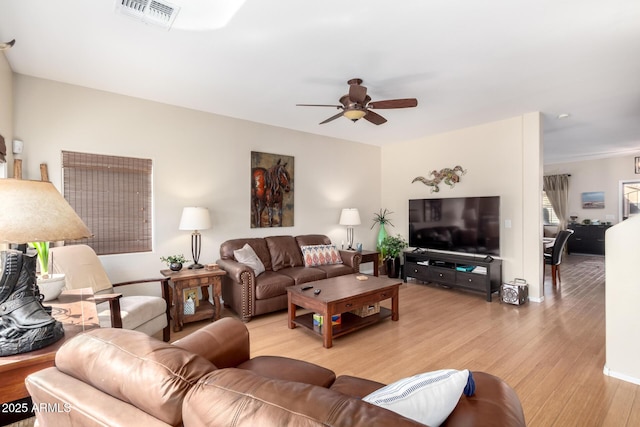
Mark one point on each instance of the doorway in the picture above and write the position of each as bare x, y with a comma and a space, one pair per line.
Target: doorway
629, 199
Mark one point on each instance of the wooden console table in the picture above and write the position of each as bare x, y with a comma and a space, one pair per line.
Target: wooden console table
76, 310
587, 239
188, 279
479, 274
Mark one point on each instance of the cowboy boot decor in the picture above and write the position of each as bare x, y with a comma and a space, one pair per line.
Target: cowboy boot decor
25, 325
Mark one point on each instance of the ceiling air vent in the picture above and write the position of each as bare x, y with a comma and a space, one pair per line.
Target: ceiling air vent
154, 12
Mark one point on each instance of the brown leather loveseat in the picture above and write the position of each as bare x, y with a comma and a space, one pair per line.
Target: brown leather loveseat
119, 377
249, 294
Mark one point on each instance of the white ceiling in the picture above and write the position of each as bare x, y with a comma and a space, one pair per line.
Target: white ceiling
467, 62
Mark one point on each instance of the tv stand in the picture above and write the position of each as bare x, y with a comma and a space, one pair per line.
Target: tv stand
482, 274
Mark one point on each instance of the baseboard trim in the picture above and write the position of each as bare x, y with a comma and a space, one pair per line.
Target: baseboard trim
608, 372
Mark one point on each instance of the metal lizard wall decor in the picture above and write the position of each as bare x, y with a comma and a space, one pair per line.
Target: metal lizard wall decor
448, 175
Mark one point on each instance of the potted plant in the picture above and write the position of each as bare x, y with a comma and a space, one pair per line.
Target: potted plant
42, 248
381, 218
174, 262
392, 247
49, 285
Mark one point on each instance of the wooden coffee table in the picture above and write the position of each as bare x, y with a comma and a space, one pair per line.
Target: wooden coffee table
340, 295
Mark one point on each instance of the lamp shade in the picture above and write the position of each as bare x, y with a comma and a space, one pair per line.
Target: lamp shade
350, 216
35, 211
195, 218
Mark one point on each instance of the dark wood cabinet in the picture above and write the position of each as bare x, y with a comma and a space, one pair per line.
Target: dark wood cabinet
481, 274
587, 239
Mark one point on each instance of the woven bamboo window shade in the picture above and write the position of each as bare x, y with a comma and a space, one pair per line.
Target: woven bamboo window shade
113, 197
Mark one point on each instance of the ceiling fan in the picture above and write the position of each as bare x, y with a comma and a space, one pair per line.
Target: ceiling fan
357, 105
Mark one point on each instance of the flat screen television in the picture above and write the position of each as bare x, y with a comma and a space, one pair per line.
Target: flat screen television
460, 224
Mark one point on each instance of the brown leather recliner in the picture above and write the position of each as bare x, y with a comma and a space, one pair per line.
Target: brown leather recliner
250, 295
119, 377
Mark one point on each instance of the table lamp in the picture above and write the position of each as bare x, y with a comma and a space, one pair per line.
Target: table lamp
32, 211
350, 217
196, 219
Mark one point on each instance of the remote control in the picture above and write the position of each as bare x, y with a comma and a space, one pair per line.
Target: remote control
317, 291
305, 288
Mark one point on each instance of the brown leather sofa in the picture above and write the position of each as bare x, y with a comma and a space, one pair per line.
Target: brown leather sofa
250, 295
119, 377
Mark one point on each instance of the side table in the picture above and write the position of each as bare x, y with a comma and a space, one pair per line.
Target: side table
188, 279
76, 310
371, 256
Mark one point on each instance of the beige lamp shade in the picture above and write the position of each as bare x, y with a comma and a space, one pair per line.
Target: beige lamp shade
195, 218
349, 216
35, 211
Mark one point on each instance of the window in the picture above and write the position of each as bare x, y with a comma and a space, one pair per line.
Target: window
549, 217
113, 197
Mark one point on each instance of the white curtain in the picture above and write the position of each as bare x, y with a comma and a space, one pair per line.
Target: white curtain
557, 189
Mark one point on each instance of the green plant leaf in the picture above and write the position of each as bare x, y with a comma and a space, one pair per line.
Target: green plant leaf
42, 248
381, 218
173, 259
392, 246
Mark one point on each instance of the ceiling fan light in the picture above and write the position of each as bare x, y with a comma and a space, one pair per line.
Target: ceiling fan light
355, 115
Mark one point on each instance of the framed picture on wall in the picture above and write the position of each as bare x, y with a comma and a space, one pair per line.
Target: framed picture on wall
593, 200
271, 190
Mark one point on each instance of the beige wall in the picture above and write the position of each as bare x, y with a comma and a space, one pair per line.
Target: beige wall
6, 117
204, 159
502, 159
199, 159
6, 107
596, 175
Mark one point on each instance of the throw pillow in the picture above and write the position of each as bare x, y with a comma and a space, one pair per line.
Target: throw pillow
427, 398
248, 256
314, 255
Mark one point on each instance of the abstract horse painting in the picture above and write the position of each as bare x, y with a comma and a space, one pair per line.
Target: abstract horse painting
271, 190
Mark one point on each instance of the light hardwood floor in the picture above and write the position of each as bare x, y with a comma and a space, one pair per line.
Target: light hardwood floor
551, 353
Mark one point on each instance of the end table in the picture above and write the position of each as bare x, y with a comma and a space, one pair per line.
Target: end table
371, 256
189, 279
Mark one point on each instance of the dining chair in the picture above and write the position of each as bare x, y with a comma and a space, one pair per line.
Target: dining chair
146, 313
553, 257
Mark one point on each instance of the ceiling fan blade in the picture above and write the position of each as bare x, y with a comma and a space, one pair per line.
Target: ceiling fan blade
394, 103
357, 93
375, 118
332, 118
319, 105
